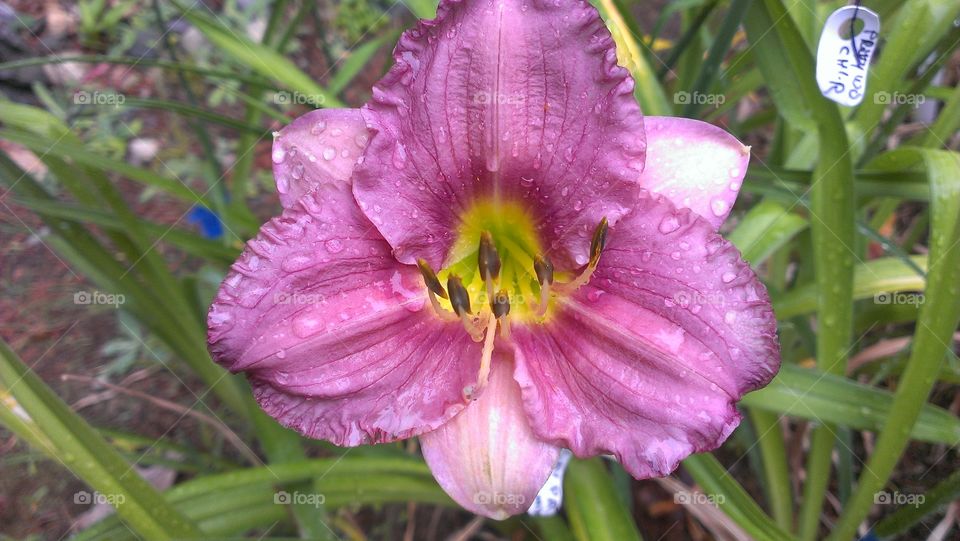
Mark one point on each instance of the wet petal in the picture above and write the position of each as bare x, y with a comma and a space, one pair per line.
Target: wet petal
487, 458
333, 331
516, 99
320, 146
647, 360
696, 165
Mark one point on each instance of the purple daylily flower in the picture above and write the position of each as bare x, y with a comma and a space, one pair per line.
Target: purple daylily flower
500, 255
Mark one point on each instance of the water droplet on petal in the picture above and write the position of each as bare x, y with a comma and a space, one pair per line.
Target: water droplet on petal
306, 325
278, 154
334, 245
318, 128
329, 153
297, 171
728, 277
669, 224
719, 206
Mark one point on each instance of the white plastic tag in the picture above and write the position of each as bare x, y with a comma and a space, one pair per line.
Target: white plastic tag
842, 60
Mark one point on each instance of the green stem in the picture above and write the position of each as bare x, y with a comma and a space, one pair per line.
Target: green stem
775, 470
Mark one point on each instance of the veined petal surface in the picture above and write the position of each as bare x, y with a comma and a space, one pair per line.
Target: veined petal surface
487, 458
694, 164
513, 100
647, 360
334, 333
319, 147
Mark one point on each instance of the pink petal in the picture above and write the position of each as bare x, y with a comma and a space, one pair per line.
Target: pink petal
518, 99
647, 360
487, 458
696, 165
334, 333
318, 147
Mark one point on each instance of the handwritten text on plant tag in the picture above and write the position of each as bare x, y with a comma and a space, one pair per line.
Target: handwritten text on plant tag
842, 60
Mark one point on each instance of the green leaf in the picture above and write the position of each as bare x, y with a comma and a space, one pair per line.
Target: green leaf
346, 480
827, 398
902, 519
939, 315
86, 454
870, 279
732, 499
652, 98
262, 59
593, 508
765, 228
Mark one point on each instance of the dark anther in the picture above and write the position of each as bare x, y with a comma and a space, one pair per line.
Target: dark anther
544, 270
488, 260
500, 304
430, 279
599, 241
459, 297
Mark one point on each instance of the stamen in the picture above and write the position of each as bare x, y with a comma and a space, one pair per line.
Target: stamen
434, 289
597, 244
459, 296
430, 278
460, 301
500, 304
544, 270
488, 262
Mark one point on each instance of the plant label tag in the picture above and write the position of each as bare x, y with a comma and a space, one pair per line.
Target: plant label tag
843, 56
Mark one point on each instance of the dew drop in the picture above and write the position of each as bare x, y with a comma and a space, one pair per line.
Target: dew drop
336, 132
278, 154
399, 156
329, 153
318, 128
334, 245
669, 224
306, 325
361, 140
728, 277
719, 206
297, 171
